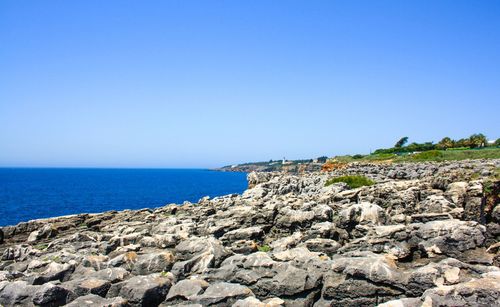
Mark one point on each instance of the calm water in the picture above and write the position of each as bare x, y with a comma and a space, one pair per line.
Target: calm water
27, 194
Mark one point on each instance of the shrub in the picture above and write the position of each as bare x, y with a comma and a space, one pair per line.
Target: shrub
264, 248
358, 157
322, 159
353, 181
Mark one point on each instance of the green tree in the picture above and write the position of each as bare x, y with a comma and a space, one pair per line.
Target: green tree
401, 142
445, 143
477, 140
322, 159
462, 143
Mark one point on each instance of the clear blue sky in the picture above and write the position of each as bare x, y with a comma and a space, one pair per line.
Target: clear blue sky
209, 83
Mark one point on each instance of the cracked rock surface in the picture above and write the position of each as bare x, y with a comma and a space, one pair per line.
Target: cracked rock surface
426, 234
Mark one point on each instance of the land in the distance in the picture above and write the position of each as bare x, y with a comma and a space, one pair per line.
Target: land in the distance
474, 147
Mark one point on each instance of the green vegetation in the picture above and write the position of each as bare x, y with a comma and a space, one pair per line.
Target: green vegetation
264, 248
367, 158
401, 142
42, 246
431, 155
491, 181
353, 181
52, 258
475, 146
477, 140
322, 159
428, 155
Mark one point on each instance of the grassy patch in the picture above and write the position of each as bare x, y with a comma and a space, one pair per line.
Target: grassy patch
431, 155
451, 154
53, 258
264, 248
42, 246
353, 181
485, 153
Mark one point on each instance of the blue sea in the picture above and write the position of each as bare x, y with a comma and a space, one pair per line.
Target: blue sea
32, 193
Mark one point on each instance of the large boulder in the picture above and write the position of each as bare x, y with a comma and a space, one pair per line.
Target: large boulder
448, 237
93, 286
54, 271
186, 290
197, 255
51, 295
223, 294
17, 293
364, 213
46, 231
144, 291
153, 263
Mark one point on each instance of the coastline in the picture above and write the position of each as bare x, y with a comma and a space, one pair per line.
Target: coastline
288, 239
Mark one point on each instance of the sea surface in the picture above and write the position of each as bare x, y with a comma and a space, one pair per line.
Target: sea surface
32, 193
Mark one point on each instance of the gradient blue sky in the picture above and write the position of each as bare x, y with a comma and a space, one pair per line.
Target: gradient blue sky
209, 83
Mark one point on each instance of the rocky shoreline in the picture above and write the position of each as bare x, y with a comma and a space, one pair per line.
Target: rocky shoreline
426, 234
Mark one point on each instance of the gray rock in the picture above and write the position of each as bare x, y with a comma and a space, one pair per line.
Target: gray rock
186, 289
223, 294
153, 263
474, 205
92, 300
16, 293
364, 213
112, 275
47, 231
50, 295
54, 271
251, 233
148, 290
326, 246
93, 286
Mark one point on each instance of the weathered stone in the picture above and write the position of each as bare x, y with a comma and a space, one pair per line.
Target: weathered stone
223, 294
54, 271
93, 286
153, 263
148, 290
51, 295
47, 231
92, 300
186, 289
17, 293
